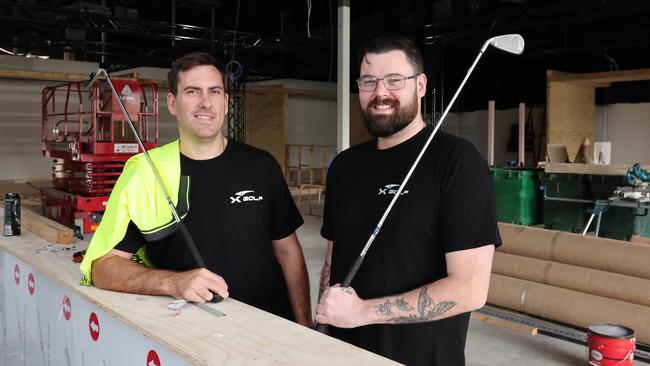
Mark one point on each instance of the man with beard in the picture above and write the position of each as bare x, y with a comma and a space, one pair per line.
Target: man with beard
232, 198
430, 264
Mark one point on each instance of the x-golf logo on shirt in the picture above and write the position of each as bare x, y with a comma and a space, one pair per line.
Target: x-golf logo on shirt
391, 189
244, 196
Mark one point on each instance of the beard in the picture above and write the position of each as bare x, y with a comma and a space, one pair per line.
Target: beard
385, 125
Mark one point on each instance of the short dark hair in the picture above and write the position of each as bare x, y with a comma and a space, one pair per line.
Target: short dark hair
393, 42
187, 62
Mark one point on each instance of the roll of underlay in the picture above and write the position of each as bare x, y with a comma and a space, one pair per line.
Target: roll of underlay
601, 283
567, 306
609, 255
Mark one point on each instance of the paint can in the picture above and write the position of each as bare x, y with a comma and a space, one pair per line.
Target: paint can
610, 345
12, 214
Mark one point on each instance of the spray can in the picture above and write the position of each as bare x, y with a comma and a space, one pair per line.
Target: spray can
12, 214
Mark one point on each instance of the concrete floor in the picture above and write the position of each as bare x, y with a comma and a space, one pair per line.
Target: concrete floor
487, 345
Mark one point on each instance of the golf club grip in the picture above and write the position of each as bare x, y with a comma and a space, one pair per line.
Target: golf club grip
216, 298
353, 272
322, 328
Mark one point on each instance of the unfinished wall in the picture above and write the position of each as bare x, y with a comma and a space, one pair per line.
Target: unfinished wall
20, 116
627, 127
20, 123
472, 126
311, 121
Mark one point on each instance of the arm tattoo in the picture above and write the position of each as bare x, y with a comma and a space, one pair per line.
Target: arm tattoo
384, 309
400, 304
427, 309
324, 279
403, 305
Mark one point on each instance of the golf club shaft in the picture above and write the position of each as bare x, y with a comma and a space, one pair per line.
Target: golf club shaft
186, 234
357, 263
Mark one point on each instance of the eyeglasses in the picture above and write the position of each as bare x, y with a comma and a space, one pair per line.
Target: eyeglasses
391, 81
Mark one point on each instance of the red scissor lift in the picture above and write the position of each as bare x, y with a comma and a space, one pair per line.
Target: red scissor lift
91, 145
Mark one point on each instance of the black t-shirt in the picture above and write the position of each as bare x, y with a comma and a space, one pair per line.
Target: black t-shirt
447, 205
238, 203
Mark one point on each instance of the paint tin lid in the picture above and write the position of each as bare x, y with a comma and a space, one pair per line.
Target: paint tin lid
613, 331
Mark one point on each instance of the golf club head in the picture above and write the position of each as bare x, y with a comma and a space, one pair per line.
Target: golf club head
511, 43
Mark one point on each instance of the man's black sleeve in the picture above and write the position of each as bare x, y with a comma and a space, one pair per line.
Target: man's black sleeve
132, 241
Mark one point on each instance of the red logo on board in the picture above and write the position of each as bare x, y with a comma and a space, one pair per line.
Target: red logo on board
17, 274
93, 325
30, 284
153, 359
66, 308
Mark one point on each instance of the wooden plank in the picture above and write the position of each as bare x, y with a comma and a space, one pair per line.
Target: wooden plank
44, 227
299, 174
311, 165
245, 336
569, 168
41, 75
600, 78
324, 166
52, 76
502, 323
282, 89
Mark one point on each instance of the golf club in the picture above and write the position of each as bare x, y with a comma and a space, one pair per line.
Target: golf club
186, 234
511, 43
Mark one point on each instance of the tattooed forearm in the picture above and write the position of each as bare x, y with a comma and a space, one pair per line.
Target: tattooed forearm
324, 279
426, 310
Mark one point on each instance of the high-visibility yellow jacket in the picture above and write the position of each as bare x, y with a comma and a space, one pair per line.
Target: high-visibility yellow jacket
137, 197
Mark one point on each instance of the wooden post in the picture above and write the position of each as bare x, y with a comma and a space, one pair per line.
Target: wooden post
299, 175
311, 164
287, 159
490, 142
323, 166
522, 133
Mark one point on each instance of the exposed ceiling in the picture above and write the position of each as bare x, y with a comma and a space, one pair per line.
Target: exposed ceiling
272, 39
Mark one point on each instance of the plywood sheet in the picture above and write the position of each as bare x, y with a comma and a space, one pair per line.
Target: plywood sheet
615, 169
571, 115
266, 123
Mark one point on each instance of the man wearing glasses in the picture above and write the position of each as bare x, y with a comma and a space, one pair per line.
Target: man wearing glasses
430, 264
